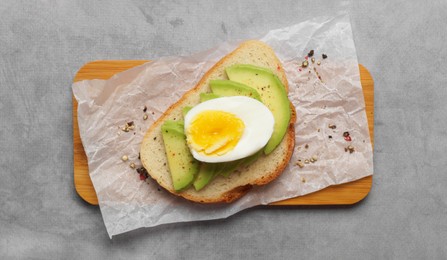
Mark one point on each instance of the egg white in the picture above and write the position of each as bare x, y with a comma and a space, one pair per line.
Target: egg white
258, 122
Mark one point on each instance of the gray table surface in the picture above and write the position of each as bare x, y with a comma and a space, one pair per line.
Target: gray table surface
44, 43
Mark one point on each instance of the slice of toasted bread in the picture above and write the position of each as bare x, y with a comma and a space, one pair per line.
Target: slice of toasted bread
221, 189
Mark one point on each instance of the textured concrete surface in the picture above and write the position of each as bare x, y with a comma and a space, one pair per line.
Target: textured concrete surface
44, 43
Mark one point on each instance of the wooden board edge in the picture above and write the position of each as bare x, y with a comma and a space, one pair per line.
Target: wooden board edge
342, 195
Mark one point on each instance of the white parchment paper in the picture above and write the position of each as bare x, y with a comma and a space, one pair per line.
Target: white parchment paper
127, 203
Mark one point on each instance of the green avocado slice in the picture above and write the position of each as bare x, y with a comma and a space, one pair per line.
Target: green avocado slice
273, 95
207, 172
185, 110
228, 168
207, 96
227, 88
182, 165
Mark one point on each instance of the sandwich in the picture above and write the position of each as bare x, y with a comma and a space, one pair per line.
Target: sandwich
232, 131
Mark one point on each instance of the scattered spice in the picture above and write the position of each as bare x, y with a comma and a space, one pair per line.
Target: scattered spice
124, 158
313, 159
143, 173
306, 161
145, 109
132, 165
305, 64
311, 53
306, 146
145, 117
347, 136
324, 56
303, 180
350, 148
313, 60
330, 137
331, 126
318, 130
318, 63
128, 126
300, 164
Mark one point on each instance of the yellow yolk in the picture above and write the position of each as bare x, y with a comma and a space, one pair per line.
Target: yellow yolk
214, 132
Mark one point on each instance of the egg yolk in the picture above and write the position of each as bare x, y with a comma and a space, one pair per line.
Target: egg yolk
214, 132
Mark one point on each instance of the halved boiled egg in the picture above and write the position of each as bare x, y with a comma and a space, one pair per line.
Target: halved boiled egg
228, 128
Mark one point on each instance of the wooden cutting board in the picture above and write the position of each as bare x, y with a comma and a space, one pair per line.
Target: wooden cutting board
343, 194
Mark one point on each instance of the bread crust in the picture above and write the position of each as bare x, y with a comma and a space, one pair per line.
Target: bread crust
162, 175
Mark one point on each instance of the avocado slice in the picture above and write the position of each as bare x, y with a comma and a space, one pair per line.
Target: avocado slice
226, 88
207, 96
182, 165
185, 110
229, 167
273, 95
225, 169
207, 172
252, 158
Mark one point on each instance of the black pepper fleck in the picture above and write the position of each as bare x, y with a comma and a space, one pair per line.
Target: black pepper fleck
311, 53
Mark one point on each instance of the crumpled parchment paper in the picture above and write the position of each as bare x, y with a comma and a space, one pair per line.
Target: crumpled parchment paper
127, 203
